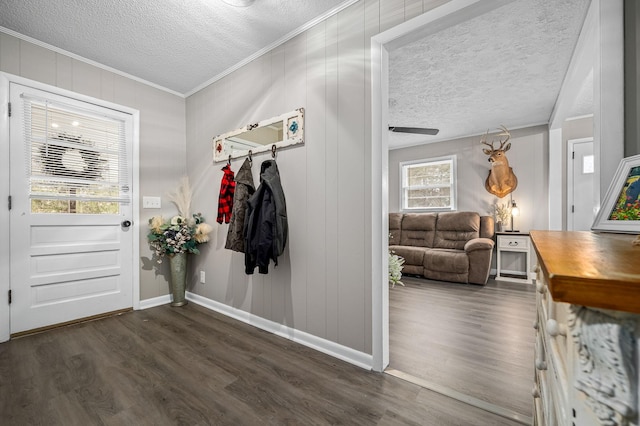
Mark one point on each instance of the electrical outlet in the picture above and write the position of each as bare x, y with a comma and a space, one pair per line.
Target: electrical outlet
151, 203
202, 280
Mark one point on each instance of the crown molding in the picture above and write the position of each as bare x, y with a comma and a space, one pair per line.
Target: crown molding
86, 61
273, 45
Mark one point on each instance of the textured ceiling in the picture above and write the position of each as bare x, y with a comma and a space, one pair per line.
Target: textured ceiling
175, 44
504, 67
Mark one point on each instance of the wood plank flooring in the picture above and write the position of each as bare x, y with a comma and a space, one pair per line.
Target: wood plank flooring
475, 340
192, 366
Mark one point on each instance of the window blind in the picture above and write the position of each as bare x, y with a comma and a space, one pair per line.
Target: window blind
74, 154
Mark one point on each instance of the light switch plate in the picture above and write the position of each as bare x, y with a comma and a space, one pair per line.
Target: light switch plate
151, 202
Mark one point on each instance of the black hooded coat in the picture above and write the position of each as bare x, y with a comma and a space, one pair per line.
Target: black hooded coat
265, 226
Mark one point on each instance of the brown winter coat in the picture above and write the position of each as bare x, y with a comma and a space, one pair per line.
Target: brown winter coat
244, 189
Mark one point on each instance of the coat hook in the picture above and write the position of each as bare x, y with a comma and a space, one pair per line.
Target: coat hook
229, 161
273, 151
250, 154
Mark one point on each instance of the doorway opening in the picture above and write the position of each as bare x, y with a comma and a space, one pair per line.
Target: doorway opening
447, 15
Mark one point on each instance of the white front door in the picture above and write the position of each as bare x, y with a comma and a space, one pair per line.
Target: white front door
70, 220
580, 172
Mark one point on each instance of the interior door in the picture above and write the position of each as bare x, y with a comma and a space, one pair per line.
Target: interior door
70, 184
581, 202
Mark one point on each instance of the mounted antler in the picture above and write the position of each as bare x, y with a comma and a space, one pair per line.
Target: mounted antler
505, 132
501, 180
484, 142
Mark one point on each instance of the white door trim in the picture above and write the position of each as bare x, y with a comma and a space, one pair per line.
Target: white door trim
5, 258
447, 15
556, 190
5, 247
600, 47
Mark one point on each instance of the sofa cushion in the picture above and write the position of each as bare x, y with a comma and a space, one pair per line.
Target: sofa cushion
395, 224
412, 270
443, 260
418, 229
454, 229
412, 255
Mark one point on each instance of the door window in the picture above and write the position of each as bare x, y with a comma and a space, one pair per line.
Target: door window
76, 161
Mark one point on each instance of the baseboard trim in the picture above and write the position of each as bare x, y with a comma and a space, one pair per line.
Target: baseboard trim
328, 347
154, 301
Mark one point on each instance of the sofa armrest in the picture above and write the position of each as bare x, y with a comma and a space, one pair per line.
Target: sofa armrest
479, 251
478, 244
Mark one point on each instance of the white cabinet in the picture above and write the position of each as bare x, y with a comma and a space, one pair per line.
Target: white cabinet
513, 257
587, 327
551, 348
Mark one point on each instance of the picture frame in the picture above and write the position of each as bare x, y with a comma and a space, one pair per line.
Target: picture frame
620, 210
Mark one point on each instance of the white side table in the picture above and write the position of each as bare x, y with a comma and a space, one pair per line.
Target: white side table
513, 243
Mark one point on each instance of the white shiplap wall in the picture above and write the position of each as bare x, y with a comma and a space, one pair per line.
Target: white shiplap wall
322, 285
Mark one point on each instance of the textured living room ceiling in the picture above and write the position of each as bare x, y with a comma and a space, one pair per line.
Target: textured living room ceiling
175, 44
504, 67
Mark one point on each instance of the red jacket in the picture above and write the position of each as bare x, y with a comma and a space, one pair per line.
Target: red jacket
225, 200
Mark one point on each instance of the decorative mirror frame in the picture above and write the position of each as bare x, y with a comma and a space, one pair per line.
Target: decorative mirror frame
292, 122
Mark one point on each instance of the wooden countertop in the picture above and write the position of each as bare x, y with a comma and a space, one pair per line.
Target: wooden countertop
600, 270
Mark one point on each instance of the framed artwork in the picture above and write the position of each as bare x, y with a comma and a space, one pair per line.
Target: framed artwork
620, 211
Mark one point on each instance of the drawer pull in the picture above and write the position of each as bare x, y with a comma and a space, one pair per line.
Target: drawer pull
535, 392
513, 243
541, 365
554, 329
541, 287
536, 324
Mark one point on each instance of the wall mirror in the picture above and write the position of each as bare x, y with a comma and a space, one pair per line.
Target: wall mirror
284, 130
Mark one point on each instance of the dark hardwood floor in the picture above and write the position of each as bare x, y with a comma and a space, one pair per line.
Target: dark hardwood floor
191, 366
475, 340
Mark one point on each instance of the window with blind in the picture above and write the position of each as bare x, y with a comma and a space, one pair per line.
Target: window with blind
429, 184
76, 159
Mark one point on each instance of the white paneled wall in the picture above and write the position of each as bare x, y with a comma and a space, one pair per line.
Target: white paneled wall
162, 127
322, 284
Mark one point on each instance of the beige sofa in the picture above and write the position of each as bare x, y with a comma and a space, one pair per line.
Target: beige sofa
451, 246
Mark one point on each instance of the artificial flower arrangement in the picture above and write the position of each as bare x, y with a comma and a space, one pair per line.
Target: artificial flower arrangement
183, 232
178, 235
502, 212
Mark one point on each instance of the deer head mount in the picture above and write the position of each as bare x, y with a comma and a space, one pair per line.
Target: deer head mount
501, 180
